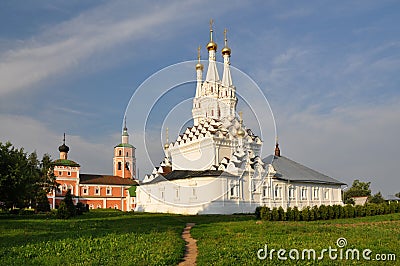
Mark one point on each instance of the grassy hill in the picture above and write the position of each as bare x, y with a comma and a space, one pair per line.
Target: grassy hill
111, 237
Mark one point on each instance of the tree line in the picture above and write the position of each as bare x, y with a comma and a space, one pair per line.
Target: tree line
24, 179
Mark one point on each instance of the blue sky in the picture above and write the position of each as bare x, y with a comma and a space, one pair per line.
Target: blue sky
330, 70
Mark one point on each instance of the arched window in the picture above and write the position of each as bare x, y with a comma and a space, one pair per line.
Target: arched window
98, 206
127, 154
97, 191
108, 191
116, 206
120, 153
119, 165
70, 187
127, 165
65, 187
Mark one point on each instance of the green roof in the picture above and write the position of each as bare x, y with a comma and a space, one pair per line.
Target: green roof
63, 162
132, 191
125, 145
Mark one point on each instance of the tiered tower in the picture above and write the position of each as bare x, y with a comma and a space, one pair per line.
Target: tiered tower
214, 99
124, 161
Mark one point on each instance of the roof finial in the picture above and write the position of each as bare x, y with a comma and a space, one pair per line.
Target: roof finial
167, 140
125, 128
240, 116
211, 45
64, 139
226, 49
211, 30
198, 53
225, 39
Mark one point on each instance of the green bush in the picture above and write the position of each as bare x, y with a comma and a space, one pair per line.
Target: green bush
326, 212
67, 208
305, 214
282, 214
349, 211
331, 212
42, 202
275, 214
289, 214
265, 213
296, 214
392, 207
360, 211
323, 212
26, 212
258, 212
317, 215
370, 209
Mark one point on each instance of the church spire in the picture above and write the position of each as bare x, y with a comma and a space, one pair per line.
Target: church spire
199, 72
125, 135
226, 53
212, 73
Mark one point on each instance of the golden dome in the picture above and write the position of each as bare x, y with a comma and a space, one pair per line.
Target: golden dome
226, 50
166, 146
199, 66
240, 132
212, 46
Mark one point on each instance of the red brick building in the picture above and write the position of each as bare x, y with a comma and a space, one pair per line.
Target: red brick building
116, 191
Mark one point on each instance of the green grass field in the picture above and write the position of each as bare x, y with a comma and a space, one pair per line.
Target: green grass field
118, 238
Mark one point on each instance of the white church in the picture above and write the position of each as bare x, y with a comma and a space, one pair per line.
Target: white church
214, 167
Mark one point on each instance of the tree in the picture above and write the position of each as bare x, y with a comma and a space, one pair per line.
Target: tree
42, 202
67, 208
397, 194
377, 198
23, 177
358, 189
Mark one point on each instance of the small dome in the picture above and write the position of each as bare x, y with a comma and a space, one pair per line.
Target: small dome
166, 146
240, 132
212, 46
199, 66
63, 148
226, 50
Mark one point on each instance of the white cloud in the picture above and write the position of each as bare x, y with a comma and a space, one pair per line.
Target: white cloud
356, 142
64, 47
32, 135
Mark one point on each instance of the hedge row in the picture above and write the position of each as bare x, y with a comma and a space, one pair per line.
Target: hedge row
324, 212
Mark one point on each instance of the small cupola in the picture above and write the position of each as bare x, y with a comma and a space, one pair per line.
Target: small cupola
277, 150
63, 149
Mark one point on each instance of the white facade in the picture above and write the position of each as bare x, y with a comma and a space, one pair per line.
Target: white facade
214, 166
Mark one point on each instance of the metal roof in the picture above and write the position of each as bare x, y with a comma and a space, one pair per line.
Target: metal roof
289, 170
65, 162
105, 180
183, 174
